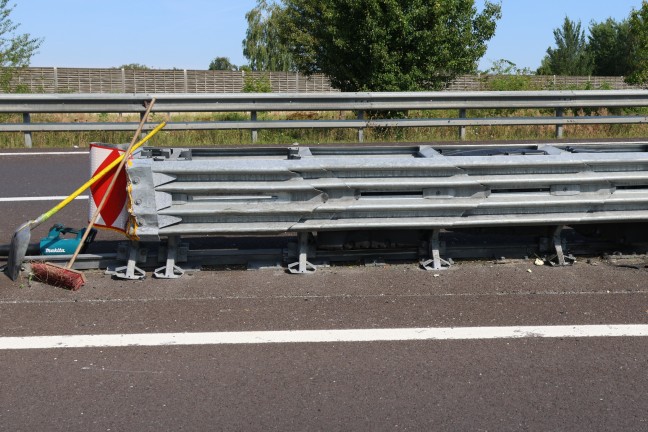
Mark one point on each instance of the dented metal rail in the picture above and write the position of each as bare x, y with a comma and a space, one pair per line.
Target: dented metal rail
181, 192
556, 104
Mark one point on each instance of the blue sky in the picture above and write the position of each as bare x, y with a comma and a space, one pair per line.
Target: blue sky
188, 34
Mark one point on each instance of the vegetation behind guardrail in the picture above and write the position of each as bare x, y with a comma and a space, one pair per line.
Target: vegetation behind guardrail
303, 136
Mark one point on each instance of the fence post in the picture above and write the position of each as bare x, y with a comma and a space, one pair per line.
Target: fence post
123, 74
55, 80
559, 127
28, 135
186, 81
255, 132
462, 129
361, 116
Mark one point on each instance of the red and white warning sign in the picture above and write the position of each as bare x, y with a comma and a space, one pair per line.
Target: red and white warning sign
114, 215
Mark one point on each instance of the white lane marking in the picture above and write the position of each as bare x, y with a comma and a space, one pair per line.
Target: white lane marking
46, 153
41, 198
319, 336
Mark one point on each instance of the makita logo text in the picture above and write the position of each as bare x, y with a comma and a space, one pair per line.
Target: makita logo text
55, 250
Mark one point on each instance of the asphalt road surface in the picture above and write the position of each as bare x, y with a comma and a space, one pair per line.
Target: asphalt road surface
506, 373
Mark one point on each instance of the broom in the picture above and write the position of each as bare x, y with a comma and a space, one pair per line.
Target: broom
66, 277
22, 235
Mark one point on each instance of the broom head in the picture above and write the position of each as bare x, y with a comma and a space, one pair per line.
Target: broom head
58, 276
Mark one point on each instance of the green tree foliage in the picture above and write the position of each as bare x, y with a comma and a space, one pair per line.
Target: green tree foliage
262, 45
223, 64
134, 66
638, 46
387, 45
570, 56
609, 47
16, 50
504, 75
257, 84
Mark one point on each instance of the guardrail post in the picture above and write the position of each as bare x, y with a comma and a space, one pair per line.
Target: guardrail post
462, 129
559, 127
302, 266
130, 270
361, 116
28, 135
255, 132
170, 270
559, 258
434, 247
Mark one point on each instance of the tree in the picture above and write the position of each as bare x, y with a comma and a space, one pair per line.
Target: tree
570, 57
16, 50
257, 84
638, 46
262, 45
609, 47
387, 45
504, 75
222, 63
134, 66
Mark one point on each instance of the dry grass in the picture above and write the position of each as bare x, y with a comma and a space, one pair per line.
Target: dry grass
312, 136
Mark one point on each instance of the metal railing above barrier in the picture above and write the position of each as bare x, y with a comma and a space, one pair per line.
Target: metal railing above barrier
362, 101
198, 192
359, 103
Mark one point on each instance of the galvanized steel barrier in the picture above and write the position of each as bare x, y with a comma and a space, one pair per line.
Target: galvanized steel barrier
555, 102
180, 192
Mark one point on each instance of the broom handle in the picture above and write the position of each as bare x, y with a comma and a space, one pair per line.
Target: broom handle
42, 218
104, 199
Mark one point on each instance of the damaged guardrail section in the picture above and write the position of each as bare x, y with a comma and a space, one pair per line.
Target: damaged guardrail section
201, 192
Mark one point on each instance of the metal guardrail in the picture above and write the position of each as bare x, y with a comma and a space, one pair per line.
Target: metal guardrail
360, 103
200, 192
